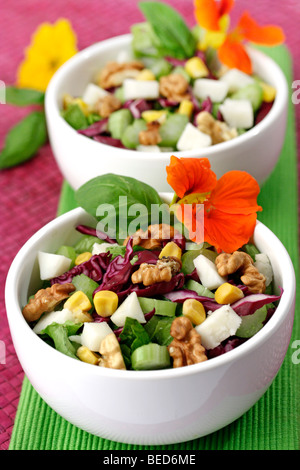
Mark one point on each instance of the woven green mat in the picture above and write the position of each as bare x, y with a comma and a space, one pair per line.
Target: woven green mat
273, 422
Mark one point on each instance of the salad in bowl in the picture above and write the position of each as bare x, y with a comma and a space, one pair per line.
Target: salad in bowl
179, 290
177, 89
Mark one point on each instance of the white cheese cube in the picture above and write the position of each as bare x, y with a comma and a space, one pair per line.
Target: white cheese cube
236, 79
140, 89
92, 94
52, 265
57, 316
237, 113
102, 247
262, 263
93, 334
192, 138
218, 326
129, 308
208, 273
213, 89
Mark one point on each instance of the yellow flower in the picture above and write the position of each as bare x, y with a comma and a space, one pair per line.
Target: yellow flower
51, 46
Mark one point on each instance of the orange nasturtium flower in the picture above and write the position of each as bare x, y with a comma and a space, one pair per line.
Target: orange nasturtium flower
51, 45
230, 203
213, 17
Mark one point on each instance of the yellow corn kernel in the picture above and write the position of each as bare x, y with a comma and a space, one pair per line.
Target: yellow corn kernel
150, 116
227, 294
105, 302
78, 302
171, 249
269, 92
69, 100
86, 355
196, 68
146, 74
194, 310
83, 257
186, 107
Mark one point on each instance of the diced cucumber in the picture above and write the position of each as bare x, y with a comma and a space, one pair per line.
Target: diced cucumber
118, 121
187, 261
162, 307
251, 324
160, 67
171, 129
130, 137
119, 93
151, 356
86, 243
69, 252
252, 92
86, 285
199, 289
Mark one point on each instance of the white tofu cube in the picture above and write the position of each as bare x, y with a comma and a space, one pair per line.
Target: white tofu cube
237, 113
93, 334
216, 90
140, 89
92, 94
236, 79
218, 326
192, 138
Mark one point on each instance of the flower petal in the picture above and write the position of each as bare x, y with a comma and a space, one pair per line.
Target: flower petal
225, 7
228, 232
235, 193
268, 35
207, 14
233, 54
190, 175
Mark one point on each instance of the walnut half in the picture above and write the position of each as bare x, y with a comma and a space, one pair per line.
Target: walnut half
45, 300
186, 348
162, 271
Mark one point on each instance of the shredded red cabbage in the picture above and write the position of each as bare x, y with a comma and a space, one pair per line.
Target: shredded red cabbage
98, 127
228, 345
84, 229
165, 103
263, 111
160, 288
176, 62
136, 107
181, 295
94, 268
252, 302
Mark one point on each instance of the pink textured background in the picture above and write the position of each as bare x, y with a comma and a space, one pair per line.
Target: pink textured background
29, 194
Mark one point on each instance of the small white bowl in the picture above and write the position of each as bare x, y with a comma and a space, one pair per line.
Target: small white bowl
80, 158
148, 407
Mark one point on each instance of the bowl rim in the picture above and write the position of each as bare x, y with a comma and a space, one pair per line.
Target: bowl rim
52, 110
14, 313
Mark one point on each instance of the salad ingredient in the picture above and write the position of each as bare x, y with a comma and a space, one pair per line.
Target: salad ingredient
196, 68
55, 316
174, 87
93, 334
150, 136
68, 252
59, 334
171, 249
194, 310
192, 138
218, 326
111, 355
263, 265
78, 302
243, 263
199, 289
114, 73
92, 94
162, 271
150, 356
208, 273
83, 257
106, 302
250, 303
118, 122
217, 130
216, 90
160, 307
52, 265
236, 80
186, 347
130, 137
237, 113
140, 89
171, 130
251, 324
107, 105
252, 92
45, 300
86, 355
129, 308
228, 294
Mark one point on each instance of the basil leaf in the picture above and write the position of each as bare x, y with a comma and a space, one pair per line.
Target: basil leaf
168, 25
24, 96
110, 198
75, 117
24, 139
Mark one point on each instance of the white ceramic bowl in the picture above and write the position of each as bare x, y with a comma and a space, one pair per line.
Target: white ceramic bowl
148, 407
80, 158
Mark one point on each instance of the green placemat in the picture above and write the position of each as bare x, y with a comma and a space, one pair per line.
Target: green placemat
273, 422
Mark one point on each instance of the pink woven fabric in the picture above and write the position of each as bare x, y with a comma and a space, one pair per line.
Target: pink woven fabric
29, 194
